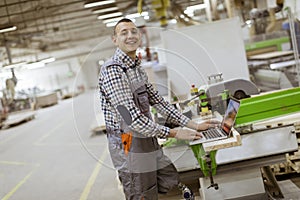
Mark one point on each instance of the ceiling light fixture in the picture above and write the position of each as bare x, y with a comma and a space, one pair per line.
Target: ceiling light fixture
112, 20
99, 3
116, 14
9, 26
135, 15
48, 60
39, 63
111, 24
196, 7
14, 65
8, 29
34, 65
104, 10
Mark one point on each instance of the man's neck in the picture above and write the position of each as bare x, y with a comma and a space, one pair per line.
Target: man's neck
132, 55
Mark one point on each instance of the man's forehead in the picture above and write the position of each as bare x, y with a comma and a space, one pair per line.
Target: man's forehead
125, 26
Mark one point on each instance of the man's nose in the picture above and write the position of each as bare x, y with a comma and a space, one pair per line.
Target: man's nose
131, 34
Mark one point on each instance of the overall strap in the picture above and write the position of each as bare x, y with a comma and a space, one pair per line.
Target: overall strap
111, 62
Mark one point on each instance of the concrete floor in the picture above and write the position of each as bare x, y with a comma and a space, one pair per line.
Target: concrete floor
54, 156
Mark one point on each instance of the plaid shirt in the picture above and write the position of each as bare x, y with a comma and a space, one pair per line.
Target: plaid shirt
115, 90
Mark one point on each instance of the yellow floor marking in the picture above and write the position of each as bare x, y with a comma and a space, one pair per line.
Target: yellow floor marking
13, 163
8, 195
38, 142
92, 179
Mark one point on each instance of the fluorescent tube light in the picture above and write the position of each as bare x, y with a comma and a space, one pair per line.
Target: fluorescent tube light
8, 29
112, 20
196, 7
104, 10
134, 15
111, 24
48, 60
14, 65
34, 65
99, 3
115, 21
116, 14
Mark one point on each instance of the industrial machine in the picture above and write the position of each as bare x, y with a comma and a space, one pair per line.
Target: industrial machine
267, 127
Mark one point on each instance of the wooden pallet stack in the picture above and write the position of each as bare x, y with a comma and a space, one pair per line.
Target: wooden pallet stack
292, 165
294, 158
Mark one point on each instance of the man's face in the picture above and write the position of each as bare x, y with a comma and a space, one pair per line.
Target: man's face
127, 37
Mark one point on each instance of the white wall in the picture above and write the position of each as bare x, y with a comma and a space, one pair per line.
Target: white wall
193, 53
90, 66
295, 7
57, 75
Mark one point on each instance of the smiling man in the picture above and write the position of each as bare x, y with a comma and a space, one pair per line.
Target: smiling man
126, 97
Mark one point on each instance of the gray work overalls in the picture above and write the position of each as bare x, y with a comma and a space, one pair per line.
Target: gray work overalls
143, 168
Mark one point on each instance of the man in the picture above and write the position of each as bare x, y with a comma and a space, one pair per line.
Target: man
126, 96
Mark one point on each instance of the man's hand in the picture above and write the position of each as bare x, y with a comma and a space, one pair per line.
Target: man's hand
204, 125
185, 134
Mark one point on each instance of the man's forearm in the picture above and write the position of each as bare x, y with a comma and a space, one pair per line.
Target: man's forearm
172, 133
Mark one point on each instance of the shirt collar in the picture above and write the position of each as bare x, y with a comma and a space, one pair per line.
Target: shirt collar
125, 60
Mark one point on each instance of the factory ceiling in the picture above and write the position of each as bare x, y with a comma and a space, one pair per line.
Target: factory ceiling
46, 26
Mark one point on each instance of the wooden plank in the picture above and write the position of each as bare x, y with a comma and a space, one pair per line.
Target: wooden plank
235, 140
270, 55
278, 121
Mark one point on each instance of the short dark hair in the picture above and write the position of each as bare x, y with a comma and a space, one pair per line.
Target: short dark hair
121, 21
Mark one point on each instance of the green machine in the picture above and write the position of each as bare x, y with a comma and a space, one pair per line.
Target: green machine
251, 110
268, 106
274, 44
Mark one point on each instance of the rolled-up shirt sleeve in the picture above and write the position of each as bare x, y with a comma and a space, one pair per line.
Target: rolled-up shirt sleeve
117, 90
165, 108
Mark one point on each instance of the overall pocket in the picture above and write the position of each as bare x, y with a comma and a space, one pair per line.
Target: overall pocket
143, 102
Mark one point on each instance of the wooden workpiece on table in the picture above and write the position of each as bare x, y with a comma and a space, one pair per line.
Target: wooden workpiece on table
235, 140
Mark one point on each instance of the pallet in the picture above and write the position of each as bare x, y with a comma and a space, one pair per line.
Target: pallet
294, 158
292, 165
18, 118
46, 100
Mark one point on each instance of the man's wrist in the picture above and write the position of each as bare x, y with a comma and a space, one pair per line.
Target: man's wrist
172, 133
192, 125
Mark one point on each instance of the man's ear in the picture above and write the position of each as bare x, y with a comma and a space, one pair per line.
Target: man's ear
114, 39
